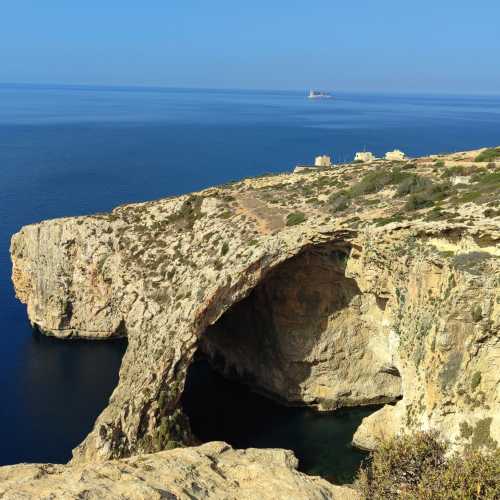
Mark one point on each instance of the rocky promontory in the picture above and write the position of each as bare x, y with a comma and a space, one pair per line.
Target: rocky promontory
346, 286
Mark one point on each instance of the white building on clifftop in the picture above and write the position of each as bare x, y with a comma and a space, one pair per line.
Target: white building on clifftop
364, 156
322, 161
395, 155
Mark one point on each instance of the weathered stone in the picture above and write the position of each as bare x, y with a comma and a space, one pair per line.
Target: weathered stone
355, 311
306, 334
211, 471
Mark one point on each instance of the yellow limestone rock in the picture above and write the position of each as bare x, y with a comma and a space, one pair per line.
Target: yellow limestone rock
211, 471
372, 302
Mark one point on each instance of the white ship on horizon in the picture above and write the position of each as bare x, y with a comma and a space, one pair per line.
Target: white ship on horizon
317, 94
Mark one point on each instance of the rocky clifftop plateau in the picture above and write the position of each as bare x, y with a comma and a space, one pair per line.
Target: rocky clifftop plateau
211, 471
364, 283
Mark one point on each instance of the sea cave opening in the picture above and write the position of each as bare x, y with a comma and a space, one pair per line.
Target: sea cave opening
297, 364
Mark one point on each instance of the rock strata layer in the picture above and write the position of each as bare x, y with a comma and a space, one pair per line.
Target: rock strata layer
346, 286
211, 471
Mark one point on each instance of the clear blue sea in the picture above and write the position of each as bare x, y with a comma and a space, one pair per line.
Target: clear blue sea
67, 150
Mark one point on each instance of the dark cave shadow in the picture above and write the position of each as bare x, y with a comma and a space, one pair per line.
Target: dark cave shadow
220, 409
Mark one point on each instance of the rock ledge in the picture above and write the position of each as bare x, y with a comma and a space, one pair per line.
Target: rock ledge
211, 471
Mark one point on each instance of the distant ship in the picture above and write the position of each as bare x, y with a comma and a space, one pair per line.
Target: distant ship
316, 94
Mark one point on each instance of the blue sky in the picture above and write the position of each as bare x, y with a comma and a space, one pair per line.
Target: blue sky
385, 45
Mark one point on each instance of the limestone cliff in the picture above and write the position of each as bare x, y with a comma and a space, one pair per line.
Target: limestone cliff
347, 286
211, 471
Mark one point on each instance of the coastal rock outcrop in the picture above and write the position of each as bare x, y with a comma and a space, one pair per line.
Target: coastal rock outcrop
307, 334
341, 287
210, 471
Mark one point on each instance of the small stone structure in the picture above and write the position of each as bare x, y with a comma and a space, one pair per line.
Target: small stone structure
322, 161
364, 156
395, 155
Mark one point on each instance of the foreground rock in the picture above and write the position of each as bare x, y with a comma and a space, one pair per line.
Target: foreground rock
213, 470
349, 286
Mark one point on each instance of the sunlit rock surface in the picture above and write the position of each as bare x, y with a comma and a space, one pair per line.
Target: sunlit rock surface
332, 288
211, 471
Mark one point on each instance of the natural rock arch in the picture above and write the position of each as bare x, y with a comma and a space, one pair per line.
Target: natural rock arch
306, 334
337, 353
414, 306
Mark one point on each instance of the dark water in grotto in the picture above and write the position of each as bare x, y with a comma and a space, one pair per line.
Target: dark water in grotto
71, 150
225, 410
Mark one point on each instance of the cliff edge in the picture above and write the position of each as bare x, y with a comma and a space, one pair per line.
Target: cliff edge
373, 283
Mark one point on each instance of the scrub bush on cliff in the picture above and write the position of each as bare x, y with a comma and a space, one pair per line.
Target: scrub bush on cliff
418, 467
488, 155
295, 218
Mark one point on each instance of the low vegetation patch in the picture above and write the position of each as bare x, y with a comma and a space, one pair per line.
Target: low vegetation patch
428, 196
295, 218
457, 170
491, 212
412, 184
419, 467
339, 201
471, 262
382, 221
488, 155
375, 181
487, 178
476, 380
224, 249
188, 214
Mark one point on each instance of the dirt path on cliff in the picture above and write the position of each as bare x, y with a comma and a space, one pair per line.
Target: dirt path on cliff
267, 219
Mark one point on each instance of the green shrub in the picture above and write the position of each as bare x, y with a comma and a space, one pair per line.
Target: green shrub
339, 202
471, 262
470, 196
490, 212
418, 201
412, 184
488, 155
474, 476
476, 380
481, 437
453, 171
427, 197
224, 249
375, 181
486, 178
477, 313
382, 221
439, 163
437, 214
189, 213
417, 467
295, 218
401, 461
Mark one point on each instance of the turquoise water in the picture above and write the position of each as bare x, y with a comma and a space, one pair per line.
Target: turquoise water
76, 150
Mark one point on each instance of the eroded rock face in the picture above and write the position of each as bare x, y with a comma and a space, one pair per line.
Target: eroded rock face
356, 312
211, 471
445, 320
307, 334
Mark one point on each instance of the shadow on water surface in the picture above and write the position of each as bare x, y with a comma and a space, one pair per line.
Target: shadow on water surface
226, 410
65, 385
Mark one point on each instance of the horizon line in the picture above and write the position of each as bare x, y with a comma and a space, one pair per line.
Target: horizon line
146, 87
